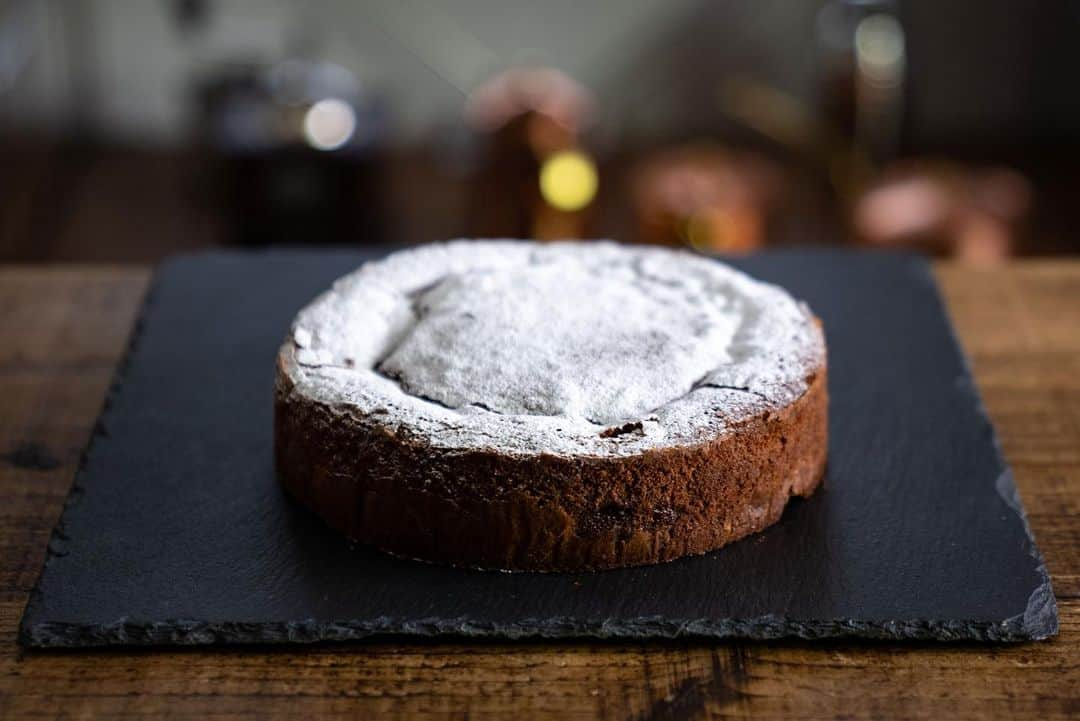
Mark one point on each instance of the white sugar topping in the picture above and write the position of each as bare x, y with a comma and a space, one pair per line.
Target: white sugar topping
565, 348
558, 337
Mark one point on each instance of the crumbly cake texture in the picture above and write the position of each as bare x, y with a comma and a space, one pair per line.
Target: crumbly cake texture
563, 406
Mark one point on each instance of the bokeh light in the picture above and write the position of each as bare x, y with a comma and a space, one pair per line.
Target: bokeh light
568, 180
329, 124
879, 50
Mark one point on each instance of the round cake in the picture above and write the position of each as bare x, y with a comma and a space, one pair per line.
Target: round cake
550, 407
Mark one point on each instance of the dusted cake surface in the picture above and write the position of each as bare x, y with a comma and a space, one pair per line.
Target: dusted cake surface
557, 337
553, 348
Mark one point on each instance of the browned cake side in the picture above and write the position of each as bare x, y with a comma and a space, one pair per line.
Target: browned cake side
482, 508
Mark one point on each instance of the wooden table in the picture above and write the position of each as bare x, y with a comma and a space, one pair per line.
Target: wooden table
63, 329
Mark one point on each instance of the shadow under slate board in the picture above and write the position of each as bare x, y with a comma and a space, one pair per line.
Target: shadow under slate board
176, 533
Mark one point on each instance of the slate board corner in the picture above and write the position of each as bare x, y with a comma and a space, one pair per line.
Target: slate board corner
1040, 619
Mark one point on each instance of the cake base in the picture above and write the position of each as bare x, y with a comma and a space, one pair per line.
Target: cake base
484, 509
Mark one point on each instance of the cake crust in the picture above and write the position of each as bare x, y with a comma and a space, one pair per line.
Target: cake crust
487, 509
620, 498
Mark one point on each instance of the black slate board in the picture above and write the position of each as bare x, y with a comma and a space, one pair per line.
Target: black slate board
175, 532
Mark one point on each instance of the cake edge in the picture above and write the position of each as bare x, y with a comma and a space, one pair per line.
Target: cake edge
481, 508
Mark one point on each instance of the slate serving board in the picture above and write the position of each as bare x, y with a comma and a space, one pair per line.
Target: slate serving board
176, 533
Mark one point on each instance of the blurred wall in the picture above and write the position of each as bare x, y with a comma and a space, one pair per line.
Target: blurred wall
125, 68
993, 72
982, 72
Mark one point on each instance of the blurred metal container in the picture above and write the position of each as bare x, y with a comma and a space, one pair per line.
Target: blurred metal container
299, 149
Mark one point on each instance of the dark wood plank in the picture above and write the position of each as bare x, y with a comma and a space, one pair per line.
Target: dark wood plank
64, 329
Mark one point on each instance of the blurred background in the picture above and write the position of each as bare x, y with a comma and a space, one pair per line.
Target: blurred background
133, 129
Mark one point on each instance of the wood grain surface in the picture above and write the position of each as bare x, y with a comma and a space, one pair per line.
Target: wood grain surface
63, 329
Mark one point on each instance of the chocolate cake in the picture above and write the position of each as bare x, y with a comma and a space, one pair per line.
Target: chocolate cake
556, 407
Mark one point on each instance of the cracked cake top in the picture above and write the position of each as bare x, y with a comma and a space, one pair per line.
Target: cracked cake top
563, 348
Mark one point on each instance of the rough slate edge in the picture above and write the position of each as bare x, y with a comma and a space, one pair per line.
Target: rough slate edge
1038, 622
1040, 619
59, 539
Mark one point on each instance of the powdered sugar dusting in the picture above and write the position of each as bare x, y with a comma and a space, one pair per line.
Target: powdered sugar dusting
564, 348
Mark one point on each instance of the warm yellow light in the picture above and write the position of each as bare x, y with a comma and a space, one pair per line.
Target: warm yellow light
568, 180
